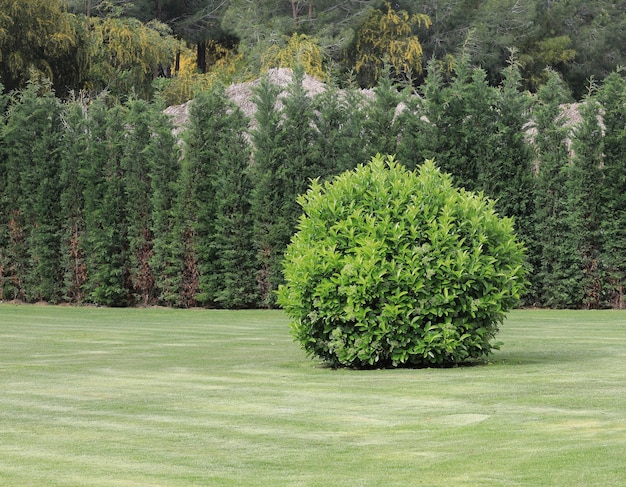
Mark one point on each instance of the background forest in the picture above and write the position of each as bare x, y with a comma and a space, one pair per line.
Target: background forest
122, 45
104, 201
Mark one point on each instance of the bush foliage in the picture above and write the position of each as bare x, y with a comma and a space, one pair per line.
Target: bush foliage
391, 267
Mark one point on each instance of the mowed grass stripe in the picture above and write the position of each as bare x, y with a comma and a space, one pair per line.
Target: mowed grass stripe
112, 397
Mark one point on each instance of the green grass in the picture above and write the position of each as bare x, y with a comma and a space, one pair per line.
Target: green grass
153, 397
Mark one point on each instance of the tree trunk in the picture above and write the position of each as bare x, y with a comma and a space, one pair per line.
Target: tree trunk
201, 63
294, 12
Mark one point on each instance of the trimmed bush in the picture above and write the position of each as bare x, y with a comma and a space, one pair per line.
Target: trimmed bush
391, 267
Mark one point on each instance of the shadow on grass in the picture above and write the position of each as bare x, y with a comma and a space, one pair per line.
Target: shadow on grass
533, 358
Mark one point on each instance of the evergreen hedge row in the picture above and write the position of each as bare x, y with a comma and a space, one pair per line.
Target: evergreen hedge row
100, 202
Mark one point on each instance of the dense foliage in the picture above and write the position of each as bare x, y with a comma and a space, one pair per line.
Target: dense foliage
390, 267
98, 206
122, 45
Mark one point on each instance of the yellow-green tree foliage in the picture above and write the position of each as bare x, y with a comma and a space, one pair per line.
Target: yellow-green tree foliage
127, 54
300, 50
34, 36
551, 51
388, 38
224, 66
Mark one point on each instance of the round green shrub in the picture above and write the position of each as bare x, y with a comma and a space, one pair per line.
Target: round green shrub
391, 267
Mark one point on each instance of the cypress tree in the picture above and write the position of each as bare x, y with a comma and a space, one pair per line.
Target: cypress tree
234, 233
164, 155
612, 97
272, 228
459, 119
285, 160
32, 138
185, 254
75, 144
556, 276
585, 187
107, 246
138, 187
506, 172
299, 165
338, 139
209, 129
411, 143
381, 129
4, 204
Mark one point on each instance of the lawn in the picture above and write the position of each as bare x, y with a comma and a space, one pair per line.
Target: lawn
157, 397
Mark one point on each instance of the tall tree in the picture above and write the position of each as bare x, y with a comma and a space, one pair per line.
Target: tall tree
163, 154
506, 171
234, 230
138, 188
339, 120
612, 97
76, 142
557, 271
585, 200
207, 138
108, 265
459, 122
4, 202
32, 137
272, 227
382, 126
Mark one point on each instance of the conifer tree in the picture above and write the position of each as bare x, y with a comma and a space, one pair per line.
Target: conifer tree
459, 123
32, 138
163, 157
75, 144
286, 158
207, 138
271, 228
108, 265
585, 187
299, 165
137, 181
556, 275
381, 126
506, 172
612, 97
236, 263
339, 120
4, 203
13, 248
